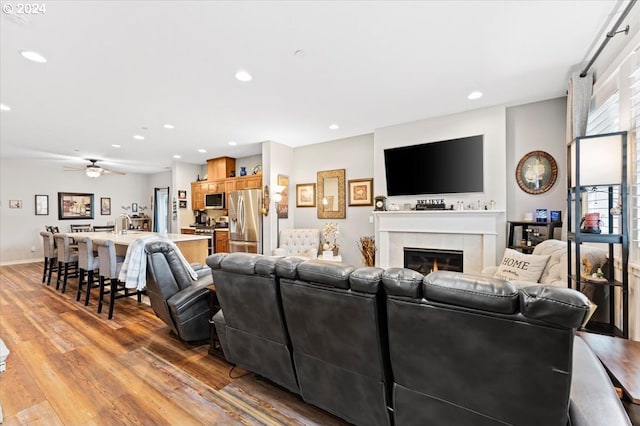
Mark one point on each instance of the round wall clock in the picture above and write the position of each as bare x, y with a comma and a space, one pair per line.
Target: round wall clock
536, 173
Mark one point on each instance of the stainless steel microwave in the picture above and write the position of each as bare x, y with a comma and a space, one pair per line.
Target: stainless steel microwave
214, 201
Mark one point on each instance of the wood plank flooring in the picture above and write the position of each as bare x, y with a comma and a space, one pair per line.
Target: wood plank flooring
71, 366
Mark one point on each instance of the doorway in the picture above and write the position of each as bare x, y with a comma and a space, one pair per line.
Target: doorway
161, 210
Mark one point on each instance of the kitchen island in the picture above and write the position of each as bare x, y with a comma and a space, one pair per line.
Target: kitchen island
193, 247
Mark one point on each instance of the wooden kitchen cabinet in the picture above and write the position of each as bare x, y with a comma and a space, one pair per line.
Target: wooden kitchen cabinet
197, 196
220, 168
253, 182
222, 241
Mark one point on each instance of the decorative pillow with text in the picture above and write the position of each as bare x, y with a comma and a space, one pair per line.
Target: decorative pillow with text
516, 266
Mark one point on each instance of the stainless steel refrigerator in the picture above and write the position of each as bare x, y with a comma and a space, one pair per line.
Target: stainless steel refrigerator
245, 221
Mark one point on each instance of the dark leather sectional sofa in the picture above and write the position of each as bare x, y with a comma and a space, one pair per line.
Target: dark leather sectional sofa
381, 347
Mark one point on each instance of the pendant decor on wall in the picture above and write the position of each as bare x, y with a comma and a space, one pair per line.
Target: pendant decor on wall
536, 173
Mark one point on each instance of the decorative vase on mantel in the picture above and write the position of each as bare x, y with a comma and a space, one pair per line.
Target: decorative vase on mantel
335, 251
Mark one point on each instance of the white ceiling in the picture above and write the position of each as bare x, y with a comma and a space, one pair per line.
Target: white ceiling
115, 67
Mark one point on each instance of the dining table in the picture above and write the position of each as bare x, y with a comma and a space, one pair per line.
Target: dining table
194, 248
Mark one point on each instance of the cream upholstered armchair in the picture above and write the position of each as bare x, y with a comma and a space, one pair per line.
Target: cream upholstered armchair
298, 242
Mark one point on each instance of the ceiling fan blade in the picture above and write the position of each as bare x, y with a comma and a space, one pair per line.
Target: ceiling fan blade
73, 169
112, 172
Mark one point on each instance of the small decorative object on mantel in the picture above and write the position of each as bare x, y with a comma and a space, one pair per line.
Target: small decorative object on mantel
380, 203
433, 204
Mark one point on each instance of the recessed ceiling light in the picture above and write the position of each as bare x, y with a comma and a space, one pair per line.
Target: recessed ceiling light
138, 137
299, 52
474, 95
33, 56
168, 126
4, 107
202, 151
115, 145
177, 156
233, 143
242, 75
334, 126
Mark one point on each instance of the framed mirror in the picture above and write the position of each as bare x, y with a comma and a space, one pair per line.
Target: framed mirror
330, 201
536, 173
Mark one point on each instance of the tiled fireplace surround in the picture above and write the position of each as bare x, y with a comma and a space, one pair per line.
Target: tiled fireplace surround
472, 231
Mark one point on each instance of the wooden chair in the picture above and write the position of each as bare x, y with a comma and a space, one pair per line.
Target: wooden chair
109, 271
84, 227
67, 257
104, 228
50, 256
88, 264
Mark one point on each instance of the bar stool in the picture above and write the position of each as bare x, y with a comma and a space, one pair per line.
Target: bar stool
50, 256
66, 257
109, 271
88, 263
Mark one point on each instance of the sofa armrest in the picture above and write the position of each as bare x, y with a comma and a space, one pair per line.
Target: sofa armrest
593, 400
191, 295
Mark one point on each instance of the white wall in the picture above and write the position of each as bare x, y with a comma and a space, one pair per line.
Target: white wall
278, 160
490, 122
539, 126
20, 238
355, 155
183, 175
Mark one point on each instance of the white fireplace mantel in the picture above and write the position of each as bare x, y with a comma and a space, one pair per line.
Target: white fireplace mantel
472, 231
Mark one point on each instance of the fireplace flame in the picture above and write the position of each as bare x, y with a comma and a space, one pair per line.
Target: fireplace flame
435, 265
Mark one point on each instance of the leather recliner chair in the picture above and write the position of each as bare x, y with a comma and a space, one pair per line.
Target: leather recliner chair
458, 342
335, 317
250, 324
183, 304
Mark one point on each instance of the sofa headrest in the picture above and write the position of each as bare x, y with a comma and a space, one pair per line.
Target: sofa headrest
215, 260
556, 305
471, 291
333, 274
366, 280
240, 263
287, 267
402, 282
266, 265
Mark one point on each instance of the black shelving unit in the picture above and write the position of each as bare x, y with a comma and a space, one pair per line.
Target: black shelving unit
550, 228
615, 197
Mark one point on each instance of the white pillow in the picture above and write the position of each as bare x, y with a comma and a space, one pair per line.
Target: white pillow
516, 266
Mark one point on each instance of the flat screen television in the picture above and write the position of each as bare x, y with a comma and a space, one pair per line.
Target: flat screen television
444, 167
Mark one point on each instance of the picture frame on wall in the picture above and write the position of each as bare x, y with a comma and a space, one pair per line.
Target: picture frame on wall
182, 194
15, 204
42, 205
283, 205
183, 204
134, 207
105, 206
75, 205
360, 192
306, 195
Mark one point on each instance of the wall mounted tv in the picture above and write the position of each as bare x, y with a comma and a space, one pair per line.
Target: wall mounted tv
444, 167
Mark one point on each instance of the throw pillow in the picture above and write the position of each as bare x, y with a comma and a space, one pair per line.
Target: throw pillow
516, 266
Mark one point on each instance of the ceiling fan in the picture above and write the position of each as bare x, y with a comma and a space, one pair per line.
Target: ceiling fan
92, 170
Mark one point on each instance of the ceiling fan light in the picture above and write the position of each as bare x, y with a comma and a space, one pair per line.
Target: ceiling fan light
94, 171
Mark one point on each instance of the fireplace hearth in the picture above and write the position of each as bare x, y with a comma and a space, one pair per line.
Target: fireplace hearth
425, 260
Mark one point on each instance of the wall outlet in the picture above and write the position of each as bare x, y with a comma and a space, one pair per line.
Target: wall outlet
33, 249
370, 219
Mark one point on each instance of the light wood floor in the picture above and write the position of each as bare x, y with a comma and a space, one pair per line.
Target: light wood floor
70, 366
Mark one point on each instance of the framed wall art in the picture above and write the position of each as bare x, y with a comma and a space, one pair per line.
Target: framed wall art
283, 205
182, 194
134, 207
75, 205
42, 205
536, 172
105, 206
306, 195
15, 204
183, 204
361, 192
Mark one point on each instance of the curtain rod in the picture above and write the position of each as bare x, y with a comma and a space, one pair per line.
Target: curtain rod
609, 36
